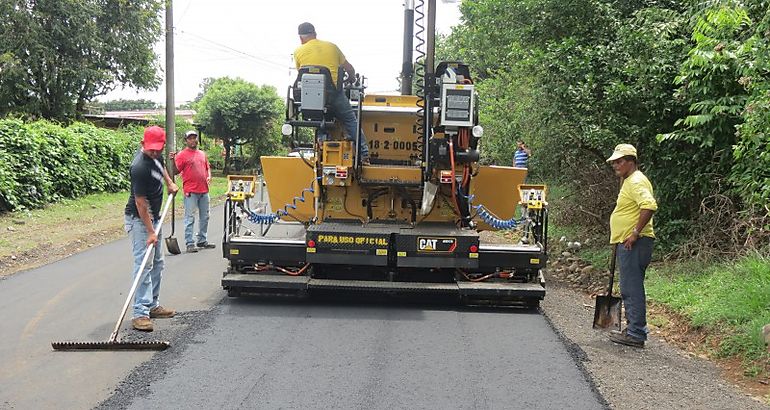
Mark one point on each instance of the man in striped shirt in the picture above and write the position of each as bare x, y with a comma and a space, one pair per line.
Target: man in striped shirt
522, 154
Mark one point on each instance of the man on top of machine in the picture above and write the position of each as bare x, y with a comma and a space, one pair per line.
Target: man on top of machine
327, 54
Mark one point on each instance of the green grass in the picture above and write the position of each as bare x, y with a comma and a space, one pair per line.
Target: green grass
598, 255
68, 209
218, 187
730, 298
74, 208
68, 220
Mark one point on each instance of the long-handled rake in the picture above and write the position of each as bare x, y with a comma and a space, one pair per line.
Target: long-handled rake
113, 343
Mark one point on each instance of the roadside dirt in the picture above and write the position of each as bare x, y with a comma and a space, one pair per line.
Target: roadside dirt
49, 252
672, 371
675, 330
658, 376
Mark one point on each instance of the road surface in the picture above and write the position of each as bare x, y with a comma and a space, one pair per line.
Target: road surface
267, 353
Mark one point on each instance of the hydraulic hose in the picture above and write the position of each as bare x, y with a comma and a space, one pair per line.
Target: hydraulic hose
419, 72
273, 217
494, 221
454, 179
490, 218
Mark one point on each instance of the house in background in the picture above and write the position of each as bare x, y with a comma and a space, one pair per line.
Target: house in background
117, 119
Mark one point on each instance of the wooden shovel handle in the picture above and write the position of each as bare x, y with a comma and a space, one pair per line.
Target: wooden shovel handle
612, 268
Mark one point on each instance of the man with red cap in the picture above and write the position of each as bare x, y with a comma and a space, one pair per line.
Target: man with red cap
194, 166
141, 215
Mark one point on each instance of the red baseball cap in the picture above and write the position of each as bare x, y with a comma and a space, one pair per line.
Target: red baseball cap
154, 138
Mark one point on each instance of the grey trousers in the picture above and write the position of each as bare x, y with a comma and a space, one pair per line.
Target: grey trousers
633, 265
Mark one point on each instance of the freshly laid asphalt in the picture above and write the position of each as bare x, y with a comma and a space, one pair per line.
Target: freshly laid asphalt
268, 353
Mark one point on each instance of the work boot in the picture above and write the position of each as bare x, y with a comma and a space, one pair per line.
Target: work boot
142, 323
162, 313
191, 249
206, 245
625, 339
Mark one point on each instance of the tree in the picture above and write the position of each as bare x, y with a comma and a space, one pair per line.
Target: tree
241, 113
57, 55
127, 105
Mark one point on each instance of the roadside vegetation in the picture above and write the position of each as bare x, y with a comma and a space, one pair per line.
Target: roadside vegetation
685, 82
729, 302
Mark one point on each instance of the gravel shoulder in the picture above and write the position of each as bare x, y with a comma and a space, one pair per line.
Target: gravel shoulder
658, 376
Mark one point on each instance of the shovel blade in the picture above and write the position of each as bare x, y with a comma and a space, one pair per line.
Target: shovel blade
607, 312
173, 246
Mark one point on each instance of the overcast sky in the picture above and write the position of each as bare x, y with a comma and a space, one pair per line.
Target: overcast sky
254, 40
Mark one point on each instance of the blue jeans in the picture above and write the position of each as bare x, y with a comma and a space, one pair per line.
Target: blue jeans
193, 203
146, 296
633, 264
340, 107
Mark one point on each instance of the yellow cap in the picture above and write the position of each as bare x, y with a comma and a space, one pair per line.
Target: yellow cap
621, 151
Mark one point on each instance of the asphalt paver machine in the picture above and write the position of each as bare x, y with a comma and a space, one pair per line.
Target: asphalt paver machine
408, 220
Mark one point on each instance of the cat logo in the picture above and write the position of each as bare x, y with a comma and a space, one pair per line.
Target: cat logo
440, 245
427, 244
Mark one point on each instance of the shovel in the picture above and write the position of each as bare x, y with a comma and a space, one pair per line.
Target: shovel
171, 244
608, 307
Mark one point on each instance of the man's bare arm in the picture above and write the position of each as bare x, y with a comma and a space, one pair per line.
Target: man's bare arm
644, 217
174, 169
350, 70
172, 187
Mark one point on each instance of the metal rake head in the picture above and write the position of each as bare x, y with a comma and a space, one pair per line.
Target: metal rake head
110, 345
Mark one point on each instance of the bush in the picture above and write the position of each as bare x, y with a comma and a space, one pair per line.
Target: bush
42, 162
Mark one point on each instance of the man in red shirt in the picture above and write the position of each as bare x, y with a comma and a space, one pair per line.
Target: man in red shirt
194, 166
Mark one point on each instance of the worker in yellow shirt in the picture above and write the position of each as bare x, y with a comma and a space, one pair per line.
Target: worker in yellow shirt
323, 53
631, 231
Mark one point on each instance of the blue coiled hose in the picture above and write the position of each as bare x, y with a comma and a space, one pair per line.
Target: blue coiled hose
489, 218
494, 221
272, 218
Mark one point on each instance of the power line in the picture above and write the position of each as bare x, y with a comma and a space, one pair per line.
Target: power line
226, 47
184, 13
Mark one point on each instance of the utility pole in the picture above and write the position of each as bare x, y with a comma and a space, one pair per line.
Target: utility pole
170, 131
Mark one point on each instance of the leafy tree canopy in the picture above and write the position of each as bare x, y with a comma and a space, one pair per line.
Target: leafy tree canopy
240, 113
686, 82
56, 55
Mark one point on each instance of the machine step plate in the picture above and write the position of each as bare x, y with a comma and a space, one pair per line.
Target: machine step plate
506, 290
471, 289
243, 280
382, 286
